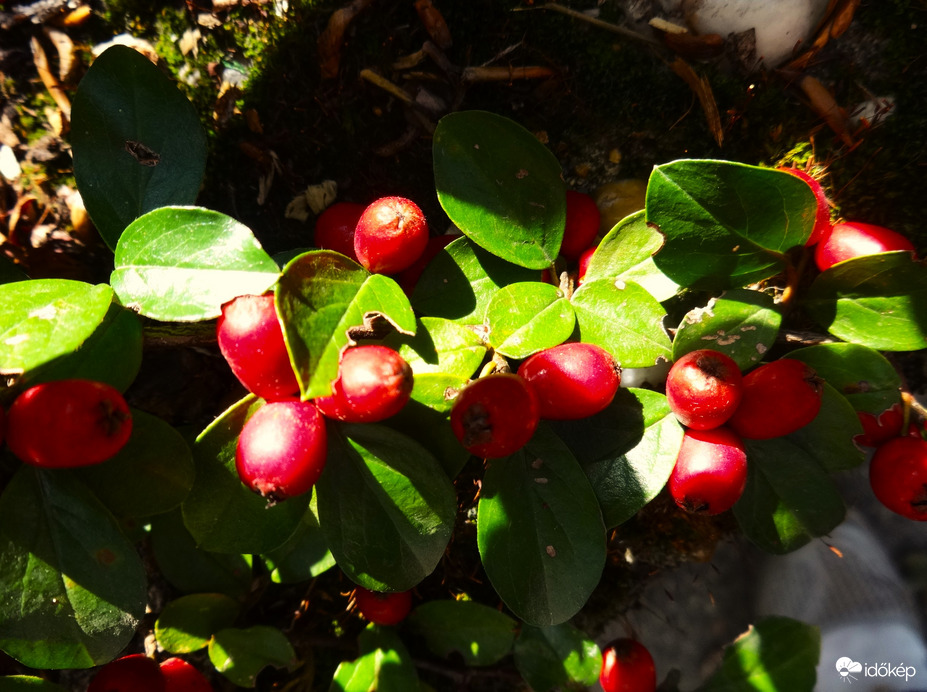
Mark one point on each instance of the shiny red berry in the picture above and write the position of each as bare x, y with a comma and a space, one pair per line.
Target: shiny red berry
822, 221
584, 260
383, 608
627, 666
334, 229
898, 476
710, 472
390, 235
704, 388
132, 673
854, 239
182, 676
374, 382
582, 224
881, 428
495, 416
778, 398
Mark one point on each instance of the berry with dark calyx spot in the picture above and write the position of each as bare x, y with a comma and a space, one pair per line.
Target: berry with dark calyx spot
383, 608
703, 388
282, 449
334, 229
881, 428
132, 673
390, 235
374, 382
710, 472
572, 380
182, 676
778, 398
855, 239
495, 416
68, 423
582, 224
627, 666
898, 476
822, 221
251, 341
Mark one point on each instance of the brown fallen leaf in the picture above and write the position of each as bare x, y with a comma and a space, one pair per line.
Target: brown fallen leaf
332, 37
695, 47
825, 105
434, 23
48, 79
505, 74
702, 89
834, 24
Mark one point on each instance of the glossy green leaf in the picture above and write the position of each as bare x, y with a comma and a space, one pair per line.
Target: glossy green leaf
461, 280
556, 657
27, 683
776, 654
877, 300
480, 635
74, 587
384, 665
742, 324
432, 430
152, 474
221, 513
725, 224
186, 624
540, 531
137, 141
240, 654
624, 319
304, 555
385, 505
500, 186
180, 264
627, 451
527, 317
626, 253
321, 296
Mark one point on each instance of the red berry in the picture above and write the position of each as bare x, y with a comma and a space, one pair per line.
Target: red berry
334, 229
703, 389
182, 676
2, 425
584, 260
572, 380
374, 383
778, 398
582, 224
627, 666
881, 428
251, 340
409, 276
495, 416
898, 476
390, 235
282, 449
132, 673
822, 213
855, 239
383, 608
710, 471
68, 423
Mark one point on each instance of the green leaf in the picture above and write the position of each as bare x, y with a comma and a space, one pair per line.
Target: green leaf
527, 317
126, 104
829, 437
556, 657
152, 474
304, 555
74, 587
776, 654
186, 624
540, 531
624, 319
240, 654
384, 665
878, 301
180, 264
461, 280
500, 186
385, 505
322, 295
726, 224
628, 451
432, 430
479, 634
221, 513
741, 324
626, 253
28, 683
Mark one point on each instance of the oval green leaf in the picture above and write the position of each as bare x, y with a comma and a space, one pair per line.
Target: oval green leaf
527, 317
304, 555
384, 665
240, 654
186, 624
557, 657
479, 634
432, 429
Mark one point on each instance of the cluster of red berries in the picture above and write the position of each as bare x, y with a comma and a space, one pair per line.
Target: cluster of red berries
139, 673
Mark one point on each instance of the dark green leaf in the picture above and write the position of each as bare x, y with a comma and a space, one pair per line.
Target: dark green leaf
540, 531
877, 300
384, 665
829, 437
479, 634
432, 430
726, 224
28, 683
304, 555
137, 142
10, 272
74, 587
240, 654
556, 657
500, 186
180, 264
527, 317
186, 624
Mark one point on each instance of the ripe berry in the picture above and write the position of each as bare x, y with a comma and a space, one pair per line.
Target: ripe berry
627, 666
334, 229
495, 416
822, 213
282, 449
703, 389
374, 383
778, 398
855, 239
710, 471
584, 260
132, 673
582, 224
881, 428
390, 235
383, 608
572, 380
182, 676
251, 340
898, 476
68, 423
